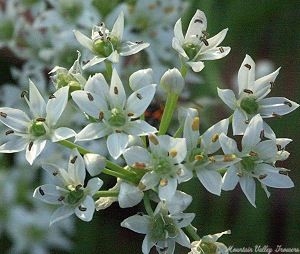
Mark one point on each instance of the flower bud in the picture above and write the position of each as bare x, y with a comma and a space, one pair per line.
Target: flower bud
172, 81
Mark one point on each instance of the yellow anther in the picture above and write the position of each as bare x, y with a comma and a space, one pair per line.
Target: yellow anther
199, 157
229, 157
153, 139
215, 138
141, 186
173, 153
163, 182
196, 123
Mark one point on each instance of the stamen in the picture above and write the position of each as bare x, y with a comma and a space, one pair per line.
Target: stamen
52, 96
41, 191
198, 21
215, 138
130, 114
24, 93
199, 157
212, 159
139, 42
272, 83
163, 182
116, 91
248, 66
283, 172
78, 187
153, 139
262, 134
40, 119
173, 153
3, 114
279, 147
139, 96
82, 208
101, 115
248, 91
9, 132
288, 103
262, 176
30, 145
196, 123
247, 121
55, 173
61, 198
229, 157
253, 154
221, 50
74, 159
139, 165
90, 97
204, 41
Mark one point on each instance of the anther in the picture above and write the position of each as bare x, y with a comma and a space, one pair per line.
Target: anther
153, 139
3, 114
130, 114
248, 66
9, 132
173, 153
253, 154
101, 115
90, 96
229, 157
262, 134
221, 50
163, 182
73, 159
24, 93
30, 145
272, 83
199, 157
248, 91
288, 103
215, 138
139, 165
139, 96
61, 198
283, 172
116, 91
247, 121
204, 41
55, 173
139, 42
52, 96
78, 187
40, 119
198, 21
212, 159
41, 191
260, 177
82, 208
196, 123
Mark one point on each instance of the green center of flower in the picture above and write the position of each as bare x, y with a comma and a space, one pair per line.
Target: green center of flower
249, 105
7, 29
207, 248
104, 47
191, 50
248, 163
198, 156
163, 166
66, 79
37, 129
162, 227
70, 9
75, 195
117, 118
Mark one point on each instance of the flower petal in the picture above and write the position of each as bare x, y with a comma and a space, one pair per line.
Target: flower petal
62, 133
178, 47
98, 85
84, 40
34, 149
95, 163
116, 144
252, 134
179, 202
196, 66
129, 195
36, 103
230, 179
139, 128
167, 191
95, 60
15, 144
130, 48
61, 213
214, 41
178, 32
118, 27
228, 145
214, 53
49, 193
248, 186
211, 180
141, 79
228, 97
86, 209
117, 92
197, 25
92, 131
76, 168
137, 223
135, 154
93, 185
15, 119
246, 74
239, 122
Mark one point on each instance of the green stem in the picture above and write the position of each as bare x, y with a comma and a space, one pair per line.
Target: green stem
147, 204
178, 132
168, 113
183, 68
99, 194
108, 66
192, 232
117, 174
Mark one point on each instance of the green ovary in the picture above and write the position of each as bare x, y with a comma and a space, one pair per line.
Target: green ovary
65, 79
37, 129
117, 118
191, 50
162, 227
248, 163
75, 196
249, 105
103, 47
162, 166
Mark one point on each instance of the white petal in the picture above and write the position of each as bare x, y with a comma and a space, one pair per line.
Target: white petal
215, 41
179, 202
88, 204
266, 149
76, 168
273, 106
48, 193
84, 40
95, 60
56, 105
167, 191
190, 134
61, 213
239, 120
248, 186
116, 144
147, 245
228, 97
139, 128
141, 79
228, 145
150, 180
137, 223
178, 47
252, 134
98, 85
129, 195
95, 163
139, 100
58, 172
211, 180
36, 148
93, 131
117, 92
62, 133
214, 53
183, 239
230, 179
196, 66
246, 74
171, 144
136, 154
36, 102
15, 119
93, 185
131, 48
197, 24
16, 144
117, 30
178, 32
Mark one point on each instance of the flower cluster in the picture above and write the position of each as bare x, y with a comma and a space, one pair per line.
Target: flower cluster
100, 117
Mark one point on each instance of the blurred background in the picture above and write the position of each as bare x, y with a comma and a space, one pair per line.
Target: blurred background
37, 35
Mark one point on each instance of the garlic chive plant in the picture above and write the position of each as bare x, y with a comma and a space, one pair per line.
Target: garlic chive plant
149, 165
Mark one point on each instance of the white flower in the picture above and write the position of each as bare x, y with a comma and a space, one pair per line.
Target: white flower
195, 47
31, 134
172, 81
200, 149
209, 244
70, 193
108, 45
115, 117
257, 162
162, 164
162, 229
251, 98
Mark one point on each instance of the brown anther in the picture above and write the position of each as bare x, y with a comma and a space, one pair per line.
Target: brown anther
78, 187
260, 177
253, 154
279, 147
90, 96
24, 93
9, 132
272, 83
248, 91
61, 198
30, 145
101, 115
73, 159
228, 157
283, 172
172, 153
204, 41
248, 66
130, 114
288, 103
116, 91
139, 42
212, 159
82, 208
40, 119
196, 123
139, 165
52, 96
163, 182
153, 139
139, 96
55, 173
41, 191
215, 138
198, 21
3, 114
262, 134
221, 50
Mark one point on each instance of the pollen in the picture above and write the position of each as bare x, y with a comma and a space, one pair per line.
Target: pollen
139, 165
196, 123
163, 182
229, 157
199, 157
153, 139
172, 153
215, 138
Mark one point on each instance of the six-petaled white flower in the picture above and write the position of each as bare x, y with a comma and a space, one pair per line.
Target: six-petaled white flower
31, 133
108, 45
162, 164
251, 98
114, 116
70, 193
162, 229
257, 162
195, 46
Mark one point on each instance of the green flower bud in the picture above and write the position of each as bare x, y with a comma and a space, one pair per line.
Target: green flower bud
172, 81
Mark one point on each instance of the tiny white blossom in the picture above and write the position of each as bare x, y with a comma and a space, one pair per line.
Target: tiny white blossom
257, 162
31, 134
251, 98
209, 244
70, 194
162, 229
195, 46
115, 116
108, 45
